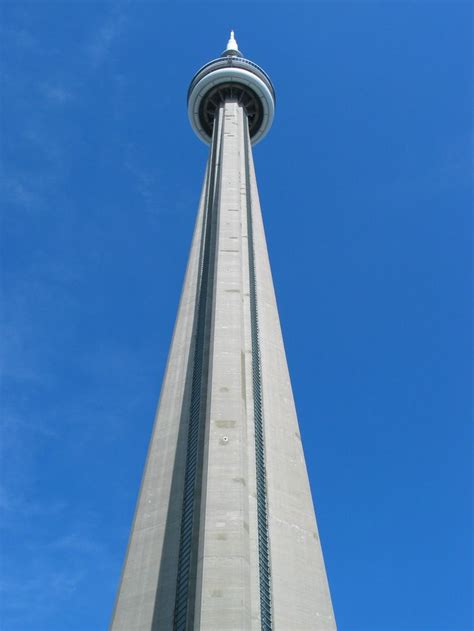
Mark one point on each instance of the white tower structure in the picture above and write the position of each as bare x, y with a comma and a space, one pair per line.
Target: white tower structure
224, 535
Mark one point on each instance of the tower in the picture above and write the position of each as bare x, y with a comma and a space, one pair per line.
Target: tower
224, 535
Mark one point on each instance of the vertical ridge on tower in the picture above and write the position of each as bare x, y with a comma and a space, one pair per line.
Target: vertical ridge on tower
264, 563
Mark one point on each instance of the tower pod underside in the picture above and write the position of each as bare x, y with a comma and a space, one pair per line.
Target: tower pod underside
231, 78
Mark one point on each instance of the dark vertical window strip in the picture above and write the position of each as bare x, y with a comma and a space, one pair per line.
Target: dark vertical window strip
262, 515
183, 604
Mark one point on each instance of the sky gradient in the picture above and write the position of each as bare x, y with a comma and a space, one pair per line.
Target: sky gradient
365, 182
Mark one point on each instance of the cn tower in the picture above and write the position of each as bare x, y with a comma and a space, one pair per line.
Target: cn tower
224, 535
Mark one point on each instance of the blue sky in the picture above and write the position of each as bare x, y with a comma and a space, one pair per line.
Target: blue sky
365, 182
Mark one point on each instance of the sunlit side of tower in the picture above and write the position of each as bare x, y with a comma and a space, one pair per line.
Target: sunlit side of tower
224, 535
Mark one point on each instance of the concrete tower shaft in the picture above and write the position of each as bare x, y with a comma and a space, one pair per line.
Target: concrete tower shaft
224, 535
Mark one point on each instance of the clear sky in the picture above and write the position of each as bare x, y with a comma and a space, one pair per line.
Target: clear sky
365, 182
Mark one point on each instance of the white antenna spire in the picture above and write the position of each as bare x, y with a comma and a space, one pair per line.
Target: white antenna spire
232, 47
232, 44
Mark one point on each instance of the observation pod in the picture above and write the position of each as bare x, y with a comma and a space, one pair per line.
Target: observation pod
231, 75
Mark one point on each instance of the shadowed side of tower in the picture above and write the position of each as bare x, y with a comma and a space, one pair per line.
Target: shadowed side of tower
224, 535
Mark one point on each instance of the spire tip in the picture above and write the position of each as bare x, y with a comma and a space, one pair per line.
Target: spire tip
232, 46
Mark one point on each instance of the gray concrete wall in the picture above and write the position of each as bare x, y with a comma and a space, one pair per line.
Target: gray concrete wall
224, 565
150, 567
229, 570
300, 592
